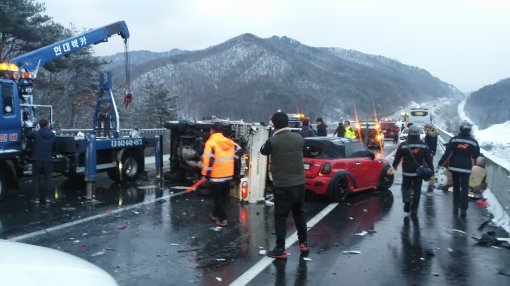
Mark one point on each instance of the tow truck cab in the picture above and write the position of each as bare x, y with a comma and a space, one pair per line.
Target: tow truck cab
369, 132
296, 121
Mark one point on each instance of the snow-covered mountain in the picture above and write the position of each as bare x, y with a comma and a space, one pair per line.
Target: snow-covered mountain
249, 78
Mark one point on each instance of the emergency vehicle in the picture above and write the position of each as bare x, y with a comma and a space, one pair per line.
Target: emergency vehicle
121, 157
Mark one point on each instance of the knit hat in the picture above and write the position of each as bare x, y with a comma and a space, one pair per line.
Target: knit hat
414, 130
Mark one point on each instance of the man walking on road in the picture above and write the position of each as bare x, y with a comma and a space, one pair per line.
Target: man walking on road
461, 152
413, 153
42, 144
286, 151
218, 169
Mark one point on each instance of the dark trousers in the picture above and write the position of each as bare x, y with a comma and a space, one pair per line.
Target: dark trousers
460, 190
45, 168
220, 191
287, 199
411, 185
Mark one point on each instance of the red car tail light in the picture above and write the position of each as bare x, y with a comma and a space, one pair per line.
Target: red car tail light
326, 169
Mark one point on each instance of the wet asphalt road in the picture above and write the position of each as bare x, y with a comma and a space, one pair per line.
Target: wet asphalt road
151, 233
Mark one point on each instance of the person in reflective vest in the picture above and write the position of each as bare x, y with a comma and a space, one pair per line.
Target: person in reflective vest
218, 169
349, 133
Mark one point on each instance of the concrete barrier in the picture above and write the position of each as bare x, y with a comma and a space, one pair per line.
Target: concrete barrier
498, 176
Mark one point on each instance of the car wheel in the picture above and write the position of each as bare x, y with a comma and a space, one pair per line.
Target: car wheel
3, 186
385, 180
339, 189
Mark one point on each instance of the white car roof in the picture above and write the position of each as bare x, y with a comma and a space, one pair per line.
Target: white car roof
27, 265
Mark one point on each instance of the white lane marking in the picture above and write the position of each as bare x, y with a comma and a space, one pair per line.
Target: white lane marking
251, 273
266, 261
98, 216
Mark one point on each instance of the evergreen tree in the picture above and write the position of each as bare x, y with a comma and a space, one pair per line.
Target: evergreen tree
159, 106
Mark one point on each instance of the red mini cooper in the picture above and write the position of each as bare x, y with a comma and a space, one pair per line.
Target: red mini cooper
336, 167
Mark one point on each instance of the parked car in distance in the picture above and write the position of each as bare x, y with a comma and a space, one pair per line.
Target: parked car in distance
31, 265
336, 167
402, 137
371, 135
390, 130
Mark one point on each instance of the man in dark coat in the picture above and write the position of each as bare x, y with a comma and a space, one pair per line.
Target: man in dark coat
340, 130
459, 158
321, 127
306, 131
287, 168
431, 138
411, 182
43, 145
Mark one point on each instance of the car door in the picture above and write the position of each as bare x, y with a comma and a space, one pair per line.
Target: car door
361, 165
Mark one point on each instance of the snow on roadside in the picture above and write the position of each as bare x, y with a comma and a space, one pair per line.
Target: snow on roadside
501, 218
496, 140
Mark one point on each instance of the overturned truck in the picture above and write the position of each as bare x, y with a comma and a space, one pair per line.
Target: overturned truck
187, 141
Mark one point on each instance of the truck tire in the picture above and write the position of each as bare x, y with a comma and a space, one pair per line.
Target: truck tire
3, 186
132, 167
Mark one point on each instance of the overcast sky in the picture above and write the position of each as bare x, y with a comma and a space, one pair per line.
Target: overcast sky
462, 42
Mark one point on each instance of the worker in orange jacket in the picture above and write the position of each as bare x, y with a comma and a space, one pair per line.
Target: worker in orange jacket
218, 168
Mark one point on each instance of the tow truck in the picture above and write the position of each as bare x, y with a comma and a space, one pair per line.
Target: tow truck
122, 158
296, 121
369, 132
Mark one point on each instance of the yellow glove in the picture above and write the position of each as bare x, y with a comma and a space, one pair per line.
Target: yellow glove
391, 171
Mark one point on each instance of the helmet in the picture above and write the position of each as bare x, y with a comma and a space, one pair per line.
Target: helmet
466, 125
414, 130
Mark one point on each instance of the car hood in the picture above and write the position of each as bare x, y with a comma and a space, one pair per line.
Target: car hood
25, 264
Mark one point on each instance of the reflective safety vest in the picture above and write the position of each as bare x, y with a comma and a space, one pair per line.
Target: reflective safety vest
349, 133
218, 158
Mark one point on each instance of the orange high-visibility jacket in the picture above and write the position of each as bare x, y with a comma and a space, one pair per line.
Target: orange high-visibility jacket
218, 158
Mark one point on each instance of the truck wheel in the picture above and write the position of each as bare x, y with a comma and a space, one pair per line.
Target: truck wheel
3, 186
339, 189
385, 180
132, 167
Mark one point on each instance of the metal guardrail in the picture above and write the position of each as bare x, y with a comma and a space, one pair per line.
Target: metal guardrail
123, 132
498, 176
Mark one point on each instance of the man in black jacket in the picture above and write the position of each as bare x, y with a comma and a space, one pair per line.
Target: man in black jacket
461, 152
287, 169
411, 182
306, 131
431, 138
43, 142
321, 127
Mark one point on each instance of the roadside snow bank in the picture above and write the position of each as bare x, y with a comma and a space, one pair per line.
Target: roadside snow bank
496, 140
501, 218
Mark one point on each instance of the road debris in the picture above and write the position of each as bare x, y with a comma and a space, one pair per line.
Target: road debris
262, 252
99, 253
363, 233
351, 252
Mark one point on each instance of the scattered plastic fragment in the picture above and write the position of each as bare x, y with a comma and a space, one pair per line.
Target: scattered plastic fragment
351, 217
147, 187
351, 252
68, 209
174, 244
307, 259
76, 241
217, 228
187, 250
363, 233
421, 258
135, 212
122, 226
460, 231
262, 252
482, 203
218, 278
269, 203
450, 250
99, 253
84, 234
220, 259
